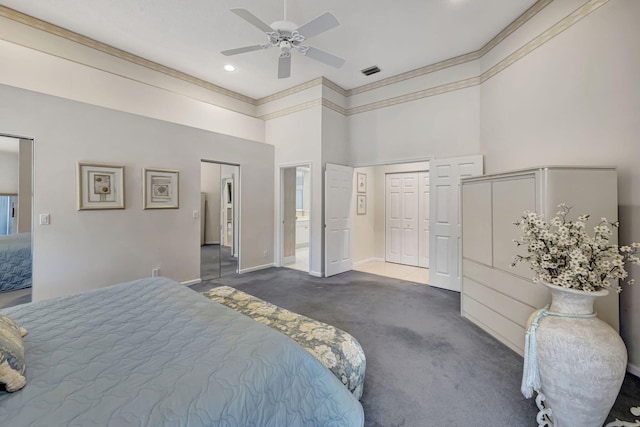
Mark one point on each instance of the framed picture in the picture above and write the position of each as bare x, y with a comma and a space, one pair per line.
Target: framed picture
160, 188
362, 182
362, 205
100, 186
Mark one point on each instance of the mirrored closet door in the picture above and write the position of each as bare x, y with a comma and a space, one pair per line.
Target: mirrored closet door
15, 218
218, 219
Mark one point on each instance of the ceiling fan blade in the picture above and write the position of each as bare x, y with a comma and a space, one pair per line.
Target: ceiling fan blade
318, 25
284, 67
324, 57
244, 49
251, 19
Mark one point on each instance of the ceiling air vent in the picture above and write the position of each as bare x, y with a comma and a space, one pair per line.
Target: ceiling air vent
371, 70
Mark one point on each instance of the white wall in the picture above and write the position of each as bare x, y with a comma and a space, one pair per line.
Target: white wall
444, 125
82, 250
297, 139
210, 185
37, 71
9, 171
575, 100
364, 225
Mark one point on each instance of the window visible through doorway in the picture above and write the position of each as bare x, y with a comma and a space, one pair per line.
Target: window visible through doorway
300, 191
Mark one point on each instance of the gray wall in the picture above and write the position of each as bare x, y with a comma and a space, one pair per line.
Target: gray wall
82, 250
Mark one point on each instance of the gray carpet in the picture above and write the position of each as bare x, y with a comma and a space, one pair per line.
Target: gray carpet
426, 365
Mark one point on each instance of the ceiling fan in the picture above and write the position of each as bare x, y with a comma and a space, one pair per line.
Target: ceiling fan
286, 36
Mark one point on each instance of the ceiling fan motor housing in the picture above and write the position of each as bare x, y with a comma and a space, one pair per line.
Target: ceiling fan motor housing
286, 35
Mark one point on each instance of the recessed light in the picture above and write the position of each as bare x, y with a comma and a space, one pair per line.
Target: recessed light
229, 67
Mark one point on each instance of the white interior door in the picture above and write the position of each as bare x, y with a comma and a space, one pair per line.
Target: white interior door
444, 259
410, 201
393, 221
338, 207
423, 225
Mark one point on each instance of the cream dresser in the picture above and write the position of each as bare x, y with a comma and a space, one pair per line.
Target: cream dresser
495, 296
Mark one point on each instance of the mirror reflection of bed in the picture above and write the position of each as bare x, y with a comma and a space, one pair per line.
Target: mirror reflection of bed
15, 220
219, 220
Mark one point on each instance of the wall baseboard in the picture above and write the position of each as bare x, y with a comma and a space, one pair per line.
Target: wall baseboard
315, 274
191, 282
212, 243
633, 369
364, 261
256, 268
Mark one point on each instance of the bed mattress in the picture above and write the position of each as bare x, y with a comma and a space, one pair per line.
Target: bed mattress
154, 353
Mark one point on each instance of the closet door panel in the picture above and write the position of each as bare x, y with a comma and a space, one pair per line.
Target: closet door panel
410, 201
476, 220
510, 199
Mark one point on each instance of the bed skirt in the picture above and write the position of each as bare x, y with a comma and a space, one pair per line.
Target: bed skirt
334, 348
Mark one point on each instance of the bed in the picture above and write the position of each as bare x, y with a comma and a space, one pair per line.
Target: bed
333, 347
154, 353
15, 262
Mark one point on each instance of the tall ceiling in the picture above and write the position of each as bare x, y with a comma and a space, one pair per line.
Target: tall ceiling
189, 35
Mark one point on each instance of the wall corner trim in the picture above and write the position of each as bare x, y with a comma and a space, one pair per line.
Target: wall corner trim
256, 268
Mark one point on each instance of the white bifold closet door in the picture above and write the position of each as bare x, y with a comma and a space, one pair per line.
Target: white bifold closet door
338, 216
403, 220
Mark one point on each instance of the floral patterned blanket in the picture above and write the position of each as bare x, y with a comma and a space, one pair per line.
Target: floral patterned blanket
334, 348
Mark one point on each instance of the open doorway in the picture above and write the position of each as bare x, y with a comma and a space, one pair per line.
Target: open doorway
219, 219
391, 228
16, 176
296, 215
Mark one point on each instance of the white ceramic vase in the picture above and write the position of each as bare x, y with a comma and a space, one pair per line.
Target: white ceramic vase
582, 361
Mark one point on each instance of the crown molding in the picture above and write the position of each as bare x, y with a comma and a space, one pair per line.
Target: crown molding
38, 24
587, 8
562, 25
565, 23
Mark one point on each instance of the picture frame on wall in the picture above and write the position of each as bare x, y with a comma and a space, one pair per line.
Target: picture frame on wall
160, 188
100, 186
362, 182
362, 205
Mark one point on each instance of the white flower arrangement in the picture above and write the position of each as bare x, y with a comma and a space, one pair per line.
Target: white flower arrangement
560, 252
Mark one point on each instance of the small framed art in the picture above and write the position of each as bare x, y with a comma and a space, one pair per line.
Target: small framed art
160, 188
100, 186
362, 205
362, 182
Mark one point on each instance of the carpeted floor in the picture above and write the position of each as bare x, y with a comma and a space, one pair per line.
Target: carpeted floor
426, 365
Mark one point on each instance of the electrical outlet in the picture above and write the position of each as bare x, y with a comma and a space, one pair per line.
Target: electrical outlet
264, 254
155, 272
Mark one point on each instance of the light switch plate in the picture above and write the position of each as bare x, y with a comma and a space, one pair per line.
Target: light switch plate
45, 219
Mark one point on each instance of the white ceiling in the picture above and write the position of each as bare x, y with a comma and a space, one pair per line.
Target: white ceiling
188, 35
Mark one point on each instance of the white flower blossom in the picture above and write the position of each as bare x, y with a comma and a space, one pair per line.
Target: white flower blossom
563, 253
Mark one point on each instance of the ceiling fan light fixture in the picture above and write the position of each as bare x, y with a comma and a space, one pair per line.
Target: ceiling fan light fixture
287, 36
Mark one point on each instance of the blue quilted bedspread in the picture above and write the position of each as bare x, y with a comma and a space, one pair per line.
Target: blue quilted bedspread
15, 262
154, 353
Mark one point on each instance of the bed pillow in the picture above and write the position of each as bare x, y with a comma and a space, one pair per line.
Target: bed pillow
11, 354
